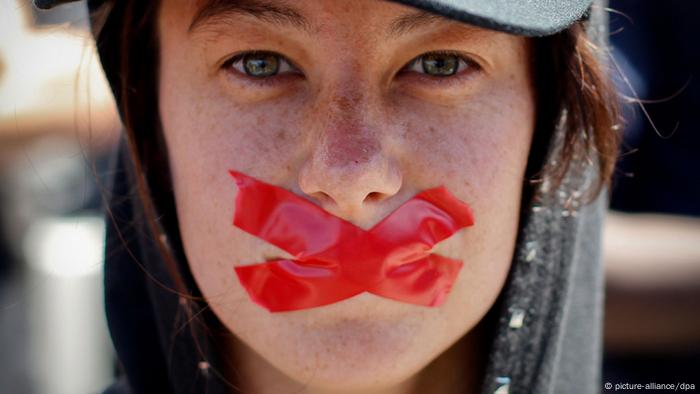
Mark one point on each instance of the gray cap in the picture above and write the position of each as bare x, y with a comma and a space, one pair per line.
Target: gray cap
522, 17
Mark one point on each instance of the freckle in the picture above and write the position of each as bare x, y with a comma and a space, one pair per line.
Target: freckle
281, 134
345, 104
344, 145
404, 132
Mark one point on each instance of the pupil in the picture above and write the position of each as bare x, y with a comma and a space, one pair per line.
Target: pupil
440, 65
264, 65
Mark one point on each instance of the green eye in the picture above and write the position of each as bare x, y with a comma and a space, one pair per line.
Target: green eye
440, 64
261, 65
258, 64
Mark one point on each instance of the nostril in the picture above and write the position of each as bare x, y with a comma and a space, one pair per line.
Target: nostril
374, 197
323, 198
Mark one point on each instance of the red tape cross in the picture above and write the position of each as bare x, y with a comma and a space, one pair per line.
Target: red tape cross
335, 260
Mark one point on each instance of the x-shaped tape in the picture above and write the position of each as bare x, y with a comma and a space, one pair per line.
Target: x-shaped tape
335, 260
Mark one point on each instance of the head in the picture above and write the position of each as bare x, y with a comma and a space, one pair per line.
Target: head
356, 109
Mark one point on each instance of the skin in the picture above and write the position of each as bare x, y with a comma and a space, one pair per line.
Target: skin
353, 133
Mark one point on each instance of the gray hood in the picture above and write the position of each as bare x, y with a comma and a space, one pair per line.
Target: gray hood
548, 335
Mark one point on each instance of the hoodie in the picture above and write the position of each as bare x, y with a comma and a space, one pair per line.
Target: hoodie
546, 331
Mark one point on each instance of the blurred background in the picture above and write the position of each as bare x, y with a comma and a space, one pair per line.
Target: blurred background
652, 237
58, 127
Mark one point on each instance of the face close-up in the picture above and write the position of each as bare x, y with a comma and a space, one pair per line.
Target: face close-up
356, 107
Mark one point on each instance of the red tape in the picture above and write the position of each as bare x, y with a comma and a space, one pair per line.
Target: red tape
335, 260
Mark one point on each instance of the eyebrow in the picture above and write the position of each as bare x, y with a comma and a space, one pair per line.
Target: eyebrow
213, 11
414, 21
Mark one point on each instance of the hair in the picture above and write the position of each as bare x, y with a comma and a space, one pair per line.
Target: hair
574, 94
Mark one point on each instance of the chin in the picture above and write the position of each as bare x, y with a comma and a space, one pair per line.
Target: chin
364, 342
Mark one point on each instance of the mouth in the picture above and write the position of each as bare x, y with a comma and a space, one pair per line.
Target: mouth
445, 248
271, 256
334, 259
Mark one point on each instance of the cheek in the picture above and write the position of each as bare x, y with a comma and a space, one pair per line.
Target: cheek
480, 153
208, 130
207, 134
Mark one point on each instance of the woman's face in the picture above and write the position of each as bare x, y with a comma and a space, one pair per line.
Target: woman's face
357, 107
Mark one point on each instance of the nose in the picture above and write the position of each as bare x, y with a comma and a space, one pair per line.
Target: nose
348, 170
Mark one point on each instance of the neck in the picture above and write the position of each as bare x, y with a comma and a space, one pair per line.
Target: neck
459, 369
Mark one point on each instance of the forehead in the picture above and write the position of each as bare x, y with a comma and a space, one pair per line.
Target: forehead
380, 18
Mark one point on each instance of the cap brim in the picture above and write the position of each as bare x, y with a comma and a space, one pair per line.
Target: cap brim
522, 17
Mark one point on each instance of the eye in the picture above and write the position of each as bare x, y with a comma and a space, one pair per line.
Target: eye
260, 64
441, 64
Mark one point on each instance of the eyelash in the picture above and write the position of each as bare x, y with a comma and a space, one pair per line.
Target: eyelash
286, 66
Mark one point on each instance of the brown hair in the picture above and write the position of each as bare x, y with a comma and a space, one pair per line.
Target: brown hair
576, 95
573, 90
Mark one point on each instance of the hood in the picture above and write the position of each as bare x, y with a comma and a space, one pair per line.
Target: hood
546, 336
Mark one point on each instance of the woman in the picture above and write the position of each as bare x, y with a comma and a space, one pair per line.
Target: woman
415, 193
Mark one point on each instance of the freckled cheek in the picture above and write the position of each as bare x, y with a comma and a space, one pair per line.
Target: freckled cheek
210, 126
452, 153
206, 136
217, 136
481, 142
